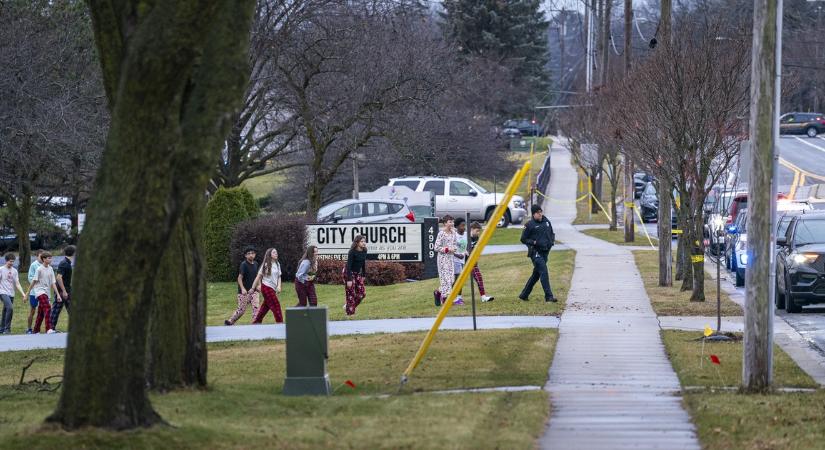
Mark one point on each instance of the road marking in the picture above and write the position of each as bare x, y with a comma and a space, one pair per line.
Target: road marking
822, 149
787, 164
794, 184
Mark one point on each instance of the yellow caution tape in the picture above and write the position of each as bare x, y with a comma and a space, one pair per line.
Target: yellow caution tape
677, 231
629, 204
563, 201
609, 217
644, 228
697, 258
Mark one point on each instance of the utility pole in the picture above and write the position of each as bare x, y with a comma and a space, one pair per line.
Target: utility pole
816, 78
760, 280
629, 197
355, 187
664, 188
588, 60
608, 9
562, 72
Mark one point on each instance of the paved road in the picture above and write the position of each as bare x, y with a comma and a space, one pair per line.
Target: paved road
802, 163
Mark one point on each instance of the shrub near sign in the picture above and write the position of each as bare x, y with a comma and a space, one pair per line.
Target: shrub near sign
385, 241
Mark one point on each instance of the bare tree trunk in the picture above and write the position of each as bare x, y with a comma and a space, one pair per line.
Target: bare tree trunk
614, 215
684, 271
629, 205
21, 211
760, 281
596, 183
174, 76
666, 13
176, 355
697, 257
664, 231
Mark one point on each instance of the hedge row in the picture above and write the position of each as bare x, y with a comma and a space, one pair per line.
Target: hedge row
225, 209
378, 273
287, 234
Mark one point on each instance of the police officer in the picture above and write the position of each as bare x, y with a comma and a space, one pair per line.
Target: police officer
538, 236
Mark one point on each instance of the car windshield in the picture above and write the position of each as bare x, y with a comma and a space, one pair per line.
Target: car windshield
650, 189
810, 231
475, 186
328, 209
782, 227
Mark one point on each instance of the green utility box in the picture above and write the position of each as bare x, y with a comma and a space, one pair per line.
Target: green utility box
306, 352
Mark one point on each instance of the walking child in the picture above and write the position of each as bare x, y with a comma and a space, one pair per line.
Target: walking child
247, 272
64, 282
446, 245
459, 257
9, 280
475, 233
269, 281
32, 299
305, 278
354, 274
43, 284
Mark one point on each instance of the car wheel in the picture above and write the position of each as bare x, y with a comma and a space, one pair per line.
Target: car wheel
504, 222
740, 280
811, 132
790, 305
778, 298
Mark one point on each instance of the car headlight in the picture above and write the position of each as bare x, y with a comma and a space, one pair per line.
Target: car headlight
805, 258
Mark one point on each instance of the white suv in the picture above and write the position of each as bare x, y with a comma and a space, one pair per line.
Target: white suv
458, 196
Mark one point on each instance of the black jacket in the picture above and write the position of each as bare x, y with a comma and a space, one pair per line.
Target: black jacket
538, 236
356, 264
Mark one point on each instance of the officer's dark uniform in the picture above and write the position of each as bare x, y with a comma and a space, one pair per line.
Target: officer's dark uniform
538, 236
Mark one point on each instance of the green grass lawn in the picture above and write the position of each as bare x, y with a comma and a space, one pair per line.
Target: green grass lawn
264, 185
670, 301
582, 206
617, 237
504, 276
730, 420
243, 407
507, 236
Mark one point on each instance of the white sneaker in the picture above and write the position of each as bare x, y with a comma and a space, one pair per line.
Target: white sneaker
487, 298
50, 332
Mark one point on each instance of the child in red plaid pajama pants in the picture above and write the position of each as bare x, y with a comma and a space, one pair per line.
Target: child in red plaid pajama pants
354, 273
475, 232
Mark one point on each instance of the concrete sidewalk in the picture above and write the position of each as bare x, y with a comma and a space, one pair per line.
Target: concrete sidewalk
336, 328
611, 383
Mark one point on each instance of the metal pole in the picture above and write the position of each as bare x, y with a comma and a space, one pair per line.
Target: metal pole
472, 285
355, 187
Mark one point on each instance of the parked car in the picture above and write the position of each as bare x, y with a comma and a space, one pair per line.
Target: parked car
526, 127
800, 263
457, 196
810, 124
734, 232
512, 133
640, 180
363, 211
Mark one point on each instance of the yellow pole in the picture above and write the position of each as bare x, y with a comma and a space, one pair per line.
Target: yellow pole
468, 268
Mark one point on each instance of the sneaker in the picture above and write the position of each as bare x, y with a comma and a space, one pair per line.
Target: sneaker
459, 301
29, 331
50, 332
523, 298
227, 323
437, 296
487, 298
551, 299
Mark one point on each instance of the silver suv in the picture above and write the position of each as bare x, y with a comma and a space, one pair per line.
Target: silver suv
458, 196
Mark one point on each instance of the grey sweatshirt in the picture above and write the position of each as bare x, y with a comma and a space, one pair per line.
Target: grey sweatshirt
303, 271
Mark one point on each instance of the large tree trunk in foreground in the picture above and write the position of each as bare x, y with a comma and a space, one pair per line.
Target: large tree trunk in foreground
174, 73
22, 210
176, 354
664, 231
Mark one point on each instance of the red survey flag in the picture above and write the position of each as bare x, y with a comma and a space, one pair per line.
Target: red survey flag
350, 383
715, 359
410, 217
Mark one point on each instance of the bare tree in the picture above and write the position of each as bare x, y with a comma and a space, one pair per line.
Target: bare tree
687, 97
52, 121
344, 73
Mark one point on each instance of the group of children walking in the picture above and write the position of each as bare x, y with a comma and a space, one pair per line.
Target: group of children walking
452, 245
43, 281
266, 279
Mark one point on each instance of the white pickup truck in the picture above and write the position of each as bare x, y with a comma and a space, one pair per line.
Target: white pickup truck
458, 196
